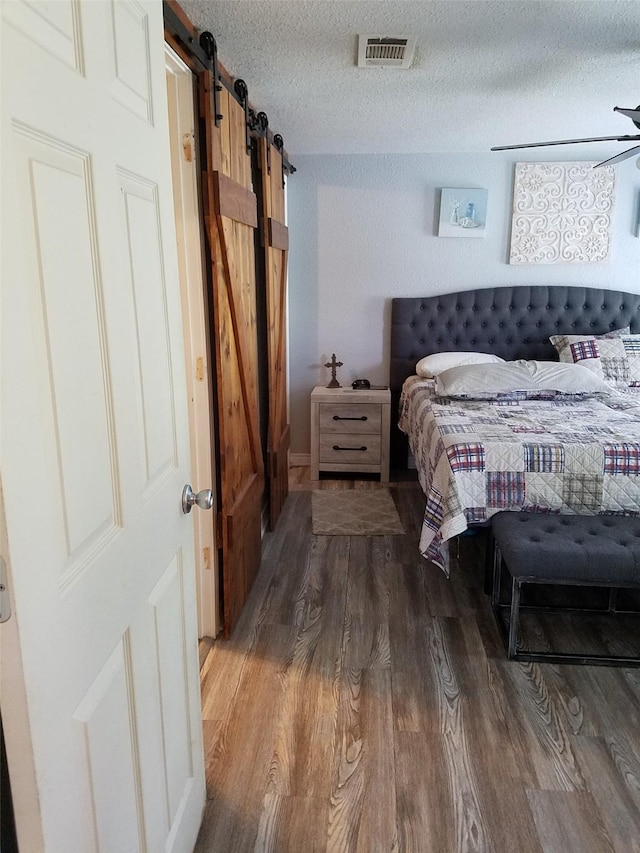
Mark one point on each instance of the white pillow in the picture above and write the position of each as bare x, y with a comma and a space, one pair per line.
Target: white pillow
431, 365
563, 377
540, 377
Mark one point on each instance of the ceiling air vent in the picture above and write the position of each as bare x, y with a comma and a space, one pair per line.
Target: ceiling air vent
385, 51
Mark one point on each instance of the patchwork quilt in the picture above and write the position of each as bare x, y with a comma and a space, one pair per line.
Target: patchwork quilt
564, 454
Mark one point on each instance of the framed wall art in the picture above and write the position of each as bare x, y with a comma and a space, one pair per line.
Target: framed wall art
561, 213
463, 212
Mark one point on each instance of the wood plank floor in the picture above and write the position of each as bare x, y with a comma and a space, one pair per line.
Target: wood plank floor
364, 703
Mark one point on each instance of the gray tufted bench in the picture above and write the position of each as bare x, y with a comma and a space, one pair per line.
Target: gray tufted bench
575, 550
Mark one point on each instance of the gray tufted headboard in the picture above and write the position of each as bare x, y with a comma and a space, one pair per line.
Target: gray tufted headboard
512, 322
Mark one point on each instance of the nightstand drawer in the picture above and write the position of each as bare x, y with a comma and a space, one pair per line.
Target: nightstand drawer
349, 449
350, 418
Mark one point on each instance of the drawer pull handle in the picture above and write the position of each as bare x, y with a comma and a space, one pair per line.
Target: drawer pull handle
339, 418
337, 447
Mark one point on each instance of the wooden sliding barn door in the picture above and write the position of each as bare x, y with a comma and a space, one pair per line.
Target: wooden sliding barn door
276, 245
231, 218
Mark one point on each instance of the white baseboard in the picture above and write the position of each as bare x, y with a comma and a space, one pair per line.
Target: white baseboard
299, 460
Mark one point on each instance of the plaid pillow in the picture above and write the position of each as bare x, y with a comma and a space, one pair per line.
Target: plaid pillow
614, 356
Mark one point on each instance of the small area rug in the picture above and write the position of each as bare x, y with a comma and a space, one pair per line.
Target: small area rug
354, 512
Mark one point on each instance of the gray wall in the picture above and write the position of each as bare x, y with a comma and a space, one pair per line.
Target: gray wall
363, 229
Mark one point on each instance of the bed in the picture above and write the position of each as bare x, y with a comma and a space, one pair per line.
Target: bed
475, 458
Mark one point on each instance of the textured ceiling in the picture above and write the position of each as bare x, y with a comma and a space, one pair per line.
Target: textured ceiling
485, 73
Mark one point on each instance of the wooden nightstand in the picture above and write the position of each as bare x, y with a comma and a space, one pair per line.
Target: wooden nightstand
350, 431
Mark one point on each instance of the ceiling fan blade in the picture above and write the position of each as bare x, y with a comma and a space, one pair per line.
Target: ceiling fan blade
625, 155
568, 142
632, 114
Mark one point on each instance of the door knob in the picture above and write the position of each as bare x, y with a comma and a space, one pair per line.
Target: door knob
203, 499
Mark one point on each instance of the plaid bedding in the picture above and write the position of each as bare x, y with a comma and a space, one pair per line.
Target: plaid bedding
579, 456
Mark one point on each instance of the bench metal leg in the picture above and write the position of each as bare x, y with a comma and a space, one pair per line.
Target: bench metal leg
514, 618
497, 572
488, 563
510, 633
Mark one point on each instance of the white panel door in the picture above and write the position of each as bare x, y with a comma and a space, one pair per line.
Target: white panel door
95, 438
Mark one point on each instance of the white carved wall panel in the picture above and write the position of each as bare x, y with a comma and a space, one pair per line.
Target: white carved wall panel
131, 58
144, 249
113, 773
167, 601
561, 213
55, 26
61, 235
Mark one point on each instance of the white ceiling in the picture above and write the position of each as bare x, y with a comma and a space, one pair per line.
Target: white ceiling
486, 72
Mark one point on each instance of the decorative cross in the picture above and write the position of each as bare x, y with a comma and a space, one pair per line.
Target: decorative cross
333, 364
